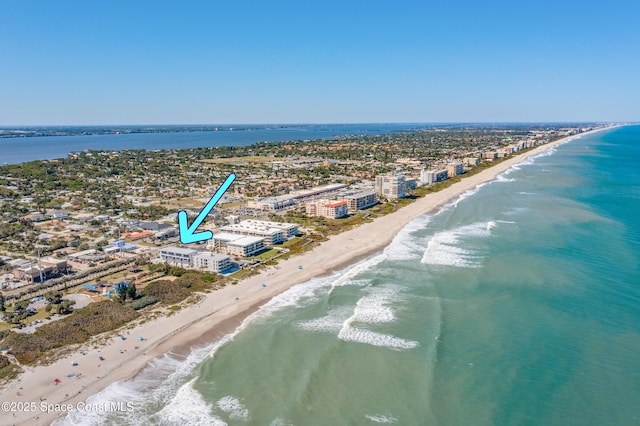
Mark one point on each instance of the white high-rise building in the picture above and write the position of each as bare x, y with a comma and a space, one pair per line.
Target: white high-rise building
391, 186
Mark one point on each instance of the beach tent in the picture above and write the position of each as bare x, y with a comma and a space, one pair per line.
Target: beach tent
263, 285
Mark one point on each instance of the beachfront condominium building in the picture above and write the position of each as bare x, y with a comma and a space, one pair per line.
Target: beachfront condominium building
490, 155
391, 186
361, 200
325, 208
272, 232
455, 169
289, 230
284, 201
272, 204
471, 161
237, 244
427, 177
258, 228
177, 256
195, 259
211, 262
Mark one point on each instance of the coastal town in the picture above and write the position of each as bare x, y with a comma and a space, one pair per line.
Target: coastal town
98, 230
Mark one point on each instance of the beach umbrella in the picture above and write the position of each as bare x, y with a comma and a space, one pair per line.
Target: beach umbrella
263, 285
141, 338
56, 381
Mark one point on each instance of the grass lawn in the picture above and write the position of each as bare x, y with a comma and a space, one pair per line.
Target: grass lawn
292, 242
266, 255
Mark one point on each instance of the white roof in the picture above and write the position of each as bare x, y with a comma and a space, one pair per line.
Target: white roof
248, 240
179, 250
227, 236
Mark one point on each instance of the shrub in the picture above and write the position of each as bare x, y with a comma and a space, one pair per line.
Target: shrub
4, 361
166, 291
142, 302
77, 328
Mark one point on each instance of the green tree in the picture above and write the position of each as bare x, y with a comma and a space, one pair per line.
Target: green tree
122, 292
66, 307
131, 291
53, 297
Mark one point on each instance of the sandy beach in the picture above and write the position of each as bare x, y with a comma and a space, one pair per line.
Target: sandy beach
214, 316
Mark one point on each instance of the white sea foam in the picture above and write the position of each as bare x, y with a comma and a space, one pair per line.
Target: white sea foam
454, 203
279, 422
444, 247
164, 375
188, 408
346, 277
361, 335
493, 223
293, 297
466, 195
331, 323
403, 246
501, 178
381, 418
234, 408
373, 309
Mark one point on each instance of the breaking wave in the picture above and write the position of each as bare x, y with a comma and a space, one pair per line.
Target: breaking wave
447, 247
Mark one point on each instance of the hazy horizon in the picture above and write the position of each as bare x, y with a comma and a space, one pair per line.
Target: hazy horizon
9, 126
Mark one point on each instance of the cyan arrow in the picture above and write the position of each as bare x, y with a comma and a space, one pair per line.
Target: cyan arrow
187, 234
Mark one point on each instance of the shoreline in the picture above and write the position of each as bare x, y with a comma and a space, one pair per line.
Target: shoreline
219, 313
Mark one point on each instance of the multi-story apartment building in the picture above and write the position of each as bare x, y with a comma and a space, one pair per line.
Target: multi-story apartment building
391, 186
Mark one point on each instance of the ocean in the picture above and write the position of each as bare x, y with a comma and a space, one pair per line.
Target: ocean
516, 304
19, 150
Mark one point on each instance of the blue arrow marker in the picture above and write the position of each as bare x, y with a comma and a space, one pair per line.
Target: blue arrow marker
187, 234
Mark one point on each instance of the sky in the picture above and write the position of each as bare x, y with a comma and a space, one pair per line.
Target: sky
213, 62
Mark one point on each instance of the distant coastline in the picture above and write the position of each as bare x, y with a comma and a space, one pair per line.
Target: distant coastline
7, 132
15, 150
34, 143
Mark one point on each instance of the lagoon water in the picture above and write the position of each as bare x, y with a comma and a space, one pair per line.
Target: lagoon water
517, 304
19, 150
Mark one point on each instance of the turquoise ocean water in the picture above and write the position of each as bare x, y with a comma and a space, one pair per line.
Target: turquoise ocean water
517, 304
